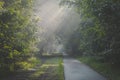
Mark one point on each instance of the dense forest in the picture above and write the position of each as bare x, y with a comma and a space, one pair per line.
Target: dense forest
99, 31
98, 34
16, 34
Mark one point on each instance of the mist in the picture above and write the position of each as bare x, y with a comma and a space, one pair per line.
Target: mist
55, 23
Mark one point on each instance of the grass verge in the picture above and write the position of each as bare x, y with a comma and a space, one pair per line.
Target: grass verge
19, 66
47, 68
107, 70
51, 69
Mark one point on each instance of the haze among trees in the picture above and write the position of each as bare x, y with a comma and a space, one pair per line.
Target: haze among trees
98, 33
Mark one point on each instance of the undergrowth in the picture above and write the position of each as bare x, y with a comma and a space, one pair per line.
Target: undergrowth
106, 69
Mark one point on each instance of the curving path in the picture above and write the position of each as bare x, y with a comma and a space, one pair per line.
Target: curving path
75, 70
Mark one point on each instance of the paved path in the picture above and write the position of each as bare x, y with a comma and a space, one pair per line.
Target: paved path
75, 70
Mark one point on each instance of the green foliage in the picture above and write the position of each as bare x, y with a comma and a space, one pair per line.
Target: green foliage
60, 71
28, 64
1, 5
106, 69
99, 32
16, 33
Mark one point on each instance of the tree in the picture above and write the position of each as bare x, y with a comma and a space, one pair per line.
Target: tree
16, 32
99, 32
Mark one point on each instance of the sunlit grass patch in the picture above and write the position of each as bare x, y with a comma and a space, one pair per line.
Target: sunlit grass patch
51, 69
60, 70
49, 65
30, 63
34, 61
24, 65
45, 69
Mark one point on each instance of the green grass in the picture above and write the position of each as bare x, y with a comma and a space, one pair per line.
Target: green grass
60, 70
107, 70
23, 65
30, 63
45, 68
51, 69
57, 64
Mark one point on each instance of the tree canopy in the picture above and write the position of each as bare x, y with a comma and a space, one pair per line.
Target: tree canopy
98, 33
16, 33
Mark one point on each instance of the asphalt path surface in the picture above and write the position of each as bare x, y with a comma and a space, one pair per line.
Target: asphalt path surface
54, 17
75, 70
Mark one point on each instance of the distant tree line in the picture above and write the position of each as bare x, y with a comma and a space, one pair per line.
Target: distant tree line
99, 31
16, 33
